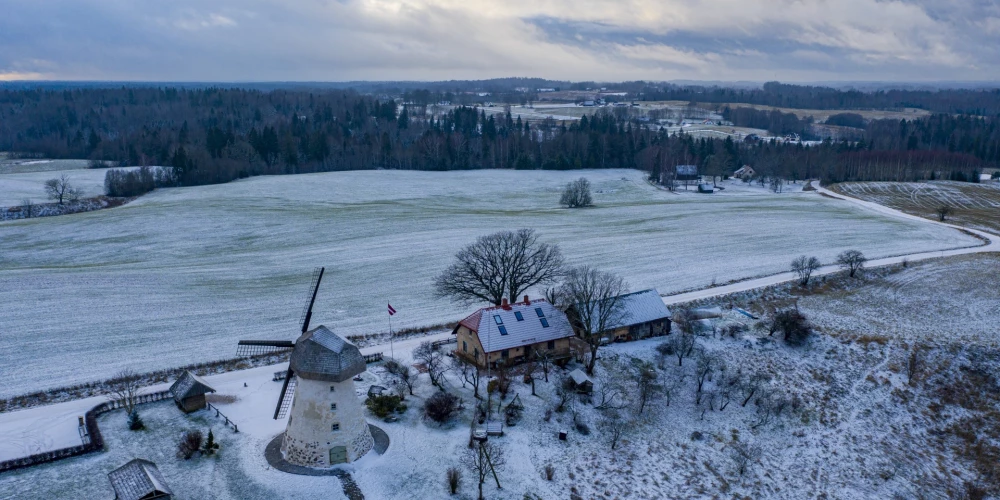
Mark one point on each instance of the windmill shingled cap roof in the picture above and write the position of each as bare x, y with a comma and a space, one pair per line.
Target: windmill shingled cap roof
320, 354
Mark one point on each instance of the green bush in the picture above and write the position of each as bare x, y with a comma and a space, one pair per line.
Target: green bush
383, 406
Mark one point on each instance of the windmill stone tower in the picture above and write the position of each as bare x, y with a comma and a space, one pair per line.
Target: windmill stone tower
326, 423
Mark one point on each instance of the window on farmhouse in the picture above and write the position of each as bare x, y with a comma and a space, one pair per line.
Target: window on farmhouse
545, 322
465, 346
498, 319
551, 345
539, 312
505, 354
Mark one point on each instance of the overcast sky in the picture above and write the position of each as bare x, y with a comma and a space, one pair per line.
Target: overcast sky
340, 40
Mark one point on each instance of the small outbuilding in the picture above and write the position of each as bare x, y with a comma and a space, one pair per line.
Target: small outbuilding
705, 188
139, 480
581, 382
189, 392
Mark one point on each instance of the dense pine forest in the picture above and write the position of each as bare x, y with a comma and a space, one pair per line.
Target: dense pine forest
213, 135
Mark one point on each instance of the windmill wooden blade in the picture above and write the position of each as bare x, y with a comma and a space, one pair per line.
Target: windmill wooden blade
285, 398
258, 347
311, 299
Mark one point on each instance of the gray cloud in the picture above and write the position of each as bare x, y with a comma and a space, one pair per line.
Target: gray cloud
242, 40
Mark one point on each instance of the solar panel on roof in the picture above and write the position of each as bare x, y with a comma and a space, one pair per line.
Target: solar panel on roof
503, 330
539, 312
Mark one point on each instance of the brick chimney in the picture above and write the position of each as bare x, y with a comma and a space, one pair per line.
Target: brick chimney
526, 301
505, 305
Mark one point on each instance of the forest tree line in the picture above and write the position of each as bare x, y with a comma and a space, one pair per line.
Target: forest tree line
217, 135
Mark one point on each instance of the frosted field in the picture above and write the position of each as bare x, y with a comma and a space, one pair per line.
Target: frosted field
15, 187
180, 275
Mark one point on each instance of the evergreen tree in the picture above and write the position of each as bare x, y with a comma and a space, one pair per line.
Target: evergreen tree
135, 422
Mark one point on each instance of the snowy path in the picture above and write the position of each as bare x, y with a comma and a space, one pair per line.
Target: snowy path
742, 286
55, 426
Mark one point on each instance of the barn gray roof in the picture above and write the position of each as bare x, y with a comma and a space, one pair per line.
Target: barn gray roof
320, 354
638, 308
188, 385
526, 331
137, 480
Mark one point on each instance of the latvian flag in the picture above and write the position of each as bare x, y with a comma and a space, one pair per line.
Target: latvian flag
391, 310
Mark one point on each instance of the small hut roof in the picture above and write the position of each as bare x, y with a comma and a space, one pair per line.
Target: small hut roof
320, 354
188, 385
137, 480
579, 378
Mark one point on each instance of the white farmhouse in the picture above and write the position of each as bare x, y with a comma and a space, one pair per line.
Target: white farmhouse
326, 424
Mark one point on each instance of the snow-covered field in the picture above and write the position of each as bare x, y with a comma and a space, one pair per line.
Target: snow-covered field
180, 275
16, 187
973, 205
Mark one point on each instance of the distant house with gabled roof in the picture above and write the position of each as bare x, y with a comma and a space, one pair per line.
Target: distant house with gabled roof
643, 314
139, 480
511, 333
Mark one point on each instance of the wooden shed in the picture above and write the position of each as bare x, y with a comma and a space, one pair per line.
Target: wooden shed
581, 381
189, 392
139, 480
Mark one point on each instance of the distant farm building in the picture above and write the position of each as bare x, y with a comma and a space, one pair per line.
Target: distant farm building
511, 333
643, 315
139, 480
744, 172
189, 392
705, 188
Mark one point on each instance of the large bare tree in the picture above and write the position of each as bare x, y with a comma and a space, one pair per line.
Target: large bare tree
483, 460
852, 261
500, 265
577, 194
58, 189
124, 389
595, 300
804, 267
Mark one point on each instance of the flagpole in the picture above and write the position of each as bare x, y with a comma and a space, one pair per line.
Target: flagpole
392, 353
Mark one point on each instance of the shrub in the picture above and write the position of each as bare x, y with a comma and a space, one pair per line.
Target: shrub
441, 406
210, 445
454, 479
119, 182
383, 405
135, 422
550, 472
189, 444
581, 425
577, 194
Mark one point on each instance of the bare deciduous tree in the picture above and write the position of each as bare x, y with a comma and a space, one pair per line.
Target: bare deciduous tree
744, 455
852, 261
577, 194
707, 363
61, 188
28, 207
804, 267
471, 374
595, 301
793, 325
683, 345
403, 373
433, 360
500, 265
124, 389
914, 364
484, 460
544, 358
615, 425
648, 386
943, 212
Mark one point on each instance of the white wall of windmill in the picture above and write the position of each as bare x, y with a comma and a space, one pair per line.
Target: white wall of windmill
310, 435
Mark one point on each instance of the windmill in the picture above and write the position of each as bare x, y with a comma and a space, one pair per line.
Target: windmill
326, 422
260, 347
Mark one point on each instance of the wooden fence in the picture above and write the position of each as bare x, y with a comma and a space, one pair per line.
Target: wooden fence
93, 442
219, 414
373, 358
